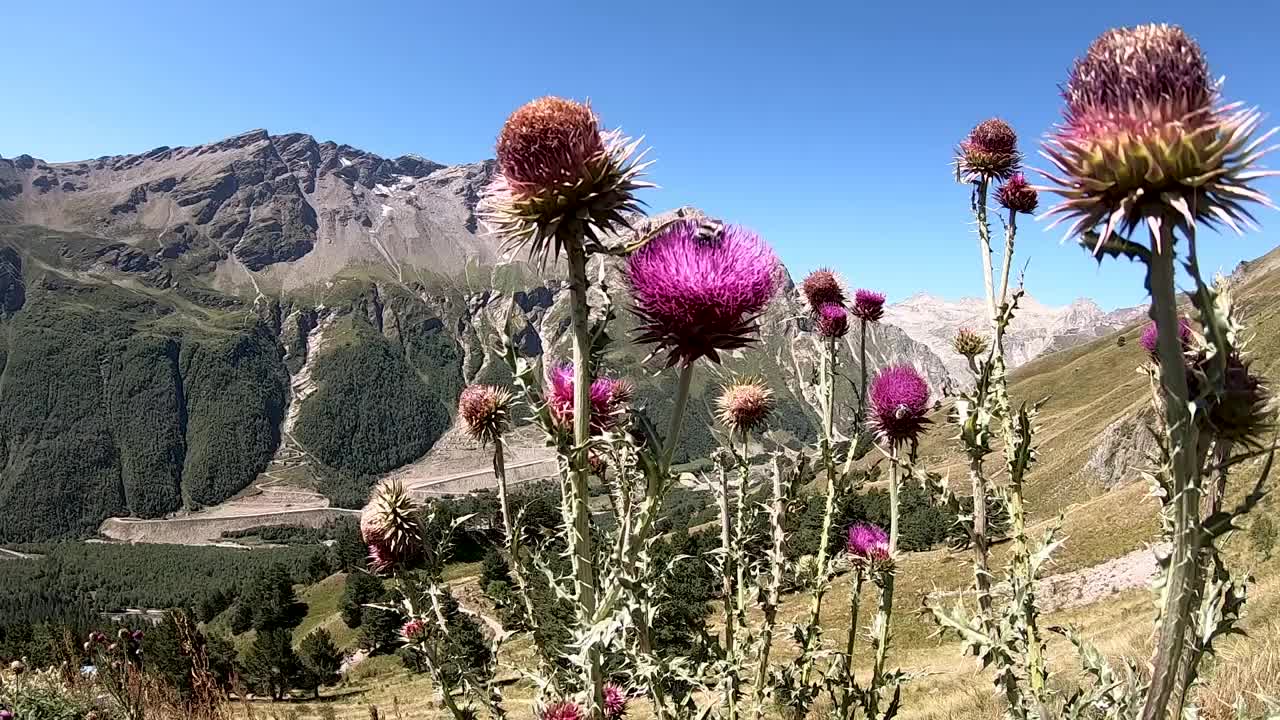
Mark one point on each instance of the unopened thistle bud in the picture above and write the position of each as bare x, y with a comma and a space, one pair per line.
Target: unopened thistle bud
391, 527
1016, 194
486, 412
969, 343
744, 405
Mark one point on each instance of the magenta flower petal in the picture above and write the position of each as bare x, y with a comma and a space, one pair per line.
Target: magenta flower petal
868, 543
832, 321
868, 305
1151, 338
609, 397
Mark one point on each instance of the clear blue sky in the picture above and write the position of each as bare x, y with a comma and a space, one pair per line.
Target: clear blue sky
828, 126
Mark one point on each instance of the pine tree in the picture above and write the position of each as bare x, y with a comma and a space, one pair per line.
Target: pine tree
271, 667
320, 658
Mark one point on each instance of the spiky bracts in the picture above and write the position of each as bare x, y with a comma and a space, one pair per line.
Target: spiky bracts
392, 529
697, 296
609, 399
1244, 411
1016, 194
1150, 337
868, 544
615, 701
413, 630
990, 152
899, 402
562, 711
485, 411
1142, 142
868, 305
745, 404
832, 321
822, 287
968, 343
557, 170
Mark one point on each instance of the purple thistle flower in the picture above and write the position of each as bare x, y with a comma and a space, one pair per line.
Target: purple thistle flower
1016, 194
899, 400
6, 715
697, 297
562, 711
615, 701
833, 321
868, 543
868, 305
609, 397
1151, 337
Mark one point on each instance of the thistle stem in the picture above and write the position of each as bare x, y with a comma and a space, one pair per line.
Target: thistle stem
728, 591
1184, 565
1011, 231
855, 597
862, 362
984, 245
775, 583
677, 414
512, 536
885, 613
583, 566
981, 568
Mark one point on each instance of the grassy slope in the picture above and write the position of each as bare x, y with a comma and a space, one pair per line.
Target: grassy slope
1088, 388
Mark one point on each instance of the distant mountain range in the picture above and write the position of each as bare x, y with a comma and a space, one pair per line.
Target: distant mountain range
1036, 329
174, 320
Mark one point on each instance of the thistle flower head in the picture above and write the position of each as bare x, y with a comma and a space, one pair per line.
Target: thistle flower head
547, 142
559, 173
868, 543
899, 400
6, 715
990, 152
562, 711
615, 701
832, 321
391, 528
413, 629
1141, 140
1016, 194
868, 305
697, 297
822, 287
1150, 339
745, 404
1244, 410
969, 343
486, 412
609, 399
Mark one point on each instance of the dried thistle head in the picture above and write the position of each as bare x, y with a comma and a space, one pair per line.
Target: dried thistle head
559, 173
1142, 142
822, 287
899, 402
391, 527
485, 411
969, 343
697, 297
868, 305
832, 321
1016, 194
745, 404
990, 152
1244, 411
